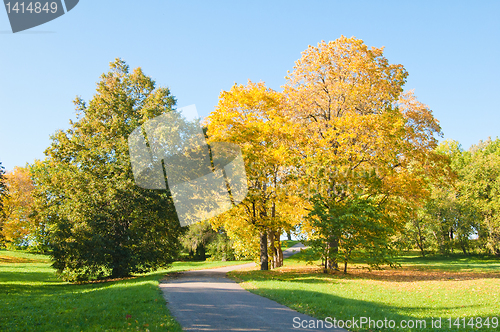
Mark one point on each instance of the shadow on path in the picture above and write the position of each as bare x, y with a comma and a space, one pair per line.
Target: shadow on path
206, 300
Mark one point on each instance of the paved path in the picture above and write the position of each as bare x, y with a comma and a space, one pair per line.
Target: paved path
206, 300
293, 250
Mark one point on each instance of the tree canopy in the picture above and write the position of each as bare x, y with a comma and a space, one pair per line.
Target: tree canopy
18, 226
100, 223
362, 142
251, 116
341, 139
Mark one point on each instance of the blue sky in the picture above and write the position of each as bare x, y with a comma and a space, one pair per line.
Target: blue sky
199, 48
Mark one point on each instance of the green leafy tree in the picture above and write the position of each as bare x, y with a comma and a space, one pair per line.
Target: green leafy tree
196, 238
358, 225
100, 223
451, 217
201, 239
416, 233
480, 187
221, 248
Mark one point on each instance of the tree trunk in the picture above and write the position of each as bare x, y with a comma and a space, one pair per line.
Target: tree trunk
274, 242
333, 249
275, 246
120, 265
280, 254
120, 254
289, 235
420, 239
325, 263
451, 239
264, 265
201, 253
272, 248
464, 248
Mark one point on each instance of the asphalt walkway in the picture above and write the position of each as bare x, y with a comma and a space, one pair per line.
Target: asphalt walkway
206, 300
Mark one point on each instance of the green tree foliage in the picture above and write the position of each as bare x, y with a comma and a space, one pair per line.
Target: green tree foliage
100, 223
479, 182
201, 239
358, 225
450, 221
196, 238
462, 213
221, 248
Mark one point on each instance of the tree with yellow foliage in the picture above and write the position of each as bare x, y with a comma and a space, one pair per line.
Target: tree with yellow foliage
251, 116
18, 225
366, 148
3, 194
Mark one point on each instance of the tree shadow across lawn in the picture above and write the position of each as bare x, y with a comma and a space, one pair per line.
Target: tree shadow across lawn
33, 298
322, 305
413, 275
39, 301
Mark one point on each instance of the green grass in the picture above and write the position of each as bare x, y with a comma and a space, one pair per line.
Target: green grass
33, 299
422, 289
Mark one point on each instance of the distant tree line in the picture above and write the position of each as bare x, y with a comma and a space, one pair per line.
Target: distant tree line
463, 213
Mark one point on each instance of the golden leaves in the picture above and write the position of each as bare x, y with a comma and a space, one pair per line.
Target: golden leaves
17, 206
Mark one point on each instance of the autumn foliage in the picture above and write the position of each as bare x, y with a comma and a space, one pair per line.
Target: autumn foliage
342, 144
18, 226
342, 155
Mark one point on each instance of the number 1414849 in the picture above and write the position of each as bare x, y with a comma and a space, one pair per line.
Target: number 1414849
31, 7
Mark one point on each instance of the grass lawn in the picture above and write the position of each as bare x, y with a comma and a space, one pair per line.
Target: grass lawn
32, 298
423, 289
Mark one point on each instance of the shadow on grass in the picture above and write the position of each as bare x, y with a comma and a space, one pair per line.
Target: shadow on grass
38, 301
276, 275
323, 305
34, 299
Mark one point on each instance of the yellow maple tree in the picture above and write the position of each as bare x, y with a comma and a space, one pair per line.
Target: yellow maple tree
17, 207
359, 138
251, 116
